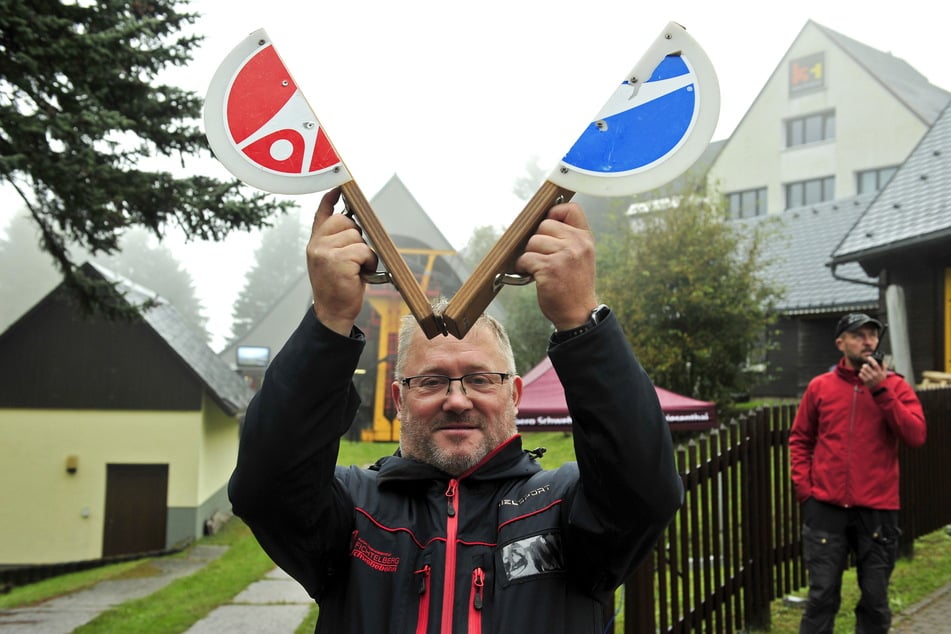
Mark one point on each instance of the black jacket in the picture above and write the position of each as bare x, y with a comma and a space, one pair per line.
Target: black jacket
506, 547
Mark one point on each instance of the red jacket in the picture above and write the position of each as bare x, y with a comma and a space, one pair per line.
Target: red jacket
843, 445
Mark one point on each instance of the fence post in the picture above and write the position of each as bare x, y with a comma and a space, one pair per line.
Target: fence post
639, 599
757, 515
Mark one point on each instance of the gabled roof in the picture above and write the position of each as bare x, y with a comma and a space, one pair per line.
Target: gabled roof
402, 215
223, 385
909, 87
914, 208
408, 226
799, 257
896, 75
411, 227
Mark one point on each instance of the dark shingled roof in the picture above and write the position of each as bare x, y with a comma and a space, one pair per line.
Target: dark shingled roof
224, 386
897, 76
914, 208
799, 259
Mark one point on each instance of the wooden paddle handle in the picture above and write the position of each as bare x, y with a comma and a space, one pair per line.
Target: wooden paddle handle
400, 274
477, 292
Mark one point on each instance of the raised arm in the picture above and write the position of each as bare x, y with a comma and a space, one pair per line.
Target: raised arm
629, 486
283, 485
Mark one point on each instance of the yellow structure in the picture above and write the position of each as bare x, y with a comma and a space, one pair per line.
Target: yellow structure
53, 466
391, 308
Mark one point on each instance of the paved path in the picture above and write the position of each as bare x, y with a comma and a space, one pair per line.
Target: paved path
274, 605
930, 616
62, 615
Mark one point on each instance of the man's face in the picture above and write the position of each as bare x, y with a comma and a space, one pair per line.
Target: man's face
858, 345
454, 431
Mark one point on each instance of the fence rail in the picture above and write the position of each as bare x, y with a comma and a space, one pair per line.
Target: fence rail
735, 545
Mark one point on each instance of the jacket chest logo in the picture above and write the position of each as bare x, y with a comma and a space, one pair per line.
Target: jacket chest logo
378, 560
531, 494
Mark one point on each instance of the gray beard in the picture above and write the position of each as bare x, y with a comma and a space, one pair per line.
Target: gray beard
418, 444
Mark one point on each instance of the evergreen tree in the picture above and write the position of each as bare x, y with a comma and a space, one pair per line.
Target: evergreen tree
278, 264
81, 109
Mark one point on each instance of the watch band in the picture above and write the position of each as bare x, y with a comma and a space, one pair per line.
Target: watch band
598, 315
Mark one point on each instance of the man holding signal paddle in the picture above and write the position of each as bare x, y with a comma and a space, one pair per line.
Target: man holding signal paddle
462, 530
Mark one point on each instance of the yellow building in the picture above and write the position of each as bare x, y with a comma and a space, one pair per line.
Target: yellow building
117, 437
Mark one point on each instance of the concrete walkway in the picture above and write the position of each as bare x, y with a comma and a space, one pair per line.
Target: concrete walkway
930, 616
62, 615
274, 605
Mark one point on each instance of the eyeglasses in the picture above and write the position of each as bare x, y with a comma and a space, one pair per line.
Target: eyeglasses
434, 384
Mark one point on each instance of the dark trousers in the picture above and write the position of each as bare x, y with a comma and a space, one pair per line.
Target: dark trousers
829, 534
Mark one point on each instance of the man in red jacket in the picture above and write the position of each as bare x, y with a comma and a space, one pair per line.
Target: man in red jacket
843, 450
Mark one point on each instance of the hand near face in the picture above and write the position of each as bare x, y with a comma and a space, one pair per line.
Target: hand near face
336, 256
872, 373
561, 258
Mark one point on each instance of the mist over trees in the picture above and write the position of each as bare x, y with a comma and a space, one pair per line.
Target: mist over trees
28, 272
151, 264
277, 264
85, 126
31, 274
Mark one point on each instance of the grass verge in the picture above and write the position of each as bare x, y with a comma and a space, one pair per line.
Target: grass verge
913, 580
177, 606
21, 596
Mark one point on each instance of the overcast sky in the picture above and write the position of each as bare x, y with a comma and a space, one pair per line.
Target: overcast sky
457, 98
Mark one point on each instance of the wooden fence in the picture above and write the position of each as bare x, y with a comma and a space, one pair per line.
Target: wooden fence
735, 545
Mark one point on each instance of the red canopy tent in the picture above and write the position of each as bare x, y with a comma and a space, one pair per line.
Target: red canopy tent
543, 406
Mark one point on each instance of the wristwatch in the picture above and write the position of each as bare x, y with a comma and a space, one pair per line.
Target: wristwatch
598, 315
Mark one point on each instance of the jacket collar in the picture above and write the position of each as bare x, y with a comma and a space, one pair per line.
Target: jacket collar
846, 372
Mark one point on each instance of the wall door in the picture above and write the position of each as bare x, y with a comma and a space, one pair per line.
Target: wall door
136, 508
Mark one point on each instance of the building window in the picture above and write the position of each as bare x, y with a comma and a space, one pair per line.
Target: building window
747, 204
810, 129
868, 181
810, 192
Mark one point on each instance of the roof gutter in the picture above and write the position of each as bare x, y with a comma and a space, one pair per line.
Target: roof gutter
876, 284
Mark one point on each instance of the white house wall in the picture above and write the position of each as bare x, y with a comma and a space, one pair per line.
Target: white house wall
873, 128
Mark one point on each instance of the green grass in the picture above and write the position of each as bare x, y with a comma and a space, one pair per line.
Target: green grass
559, 447
66, 584
913, 580
364, 453
309, 624
177, 606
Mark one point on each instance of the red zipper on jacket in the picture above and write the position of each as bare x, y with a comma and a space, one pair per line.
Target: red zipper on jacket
475, 601
848, 449
422, 619
452, 528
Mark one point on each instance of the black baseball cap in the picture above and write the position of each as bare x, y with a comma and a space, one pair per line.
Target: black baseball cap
854, 321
